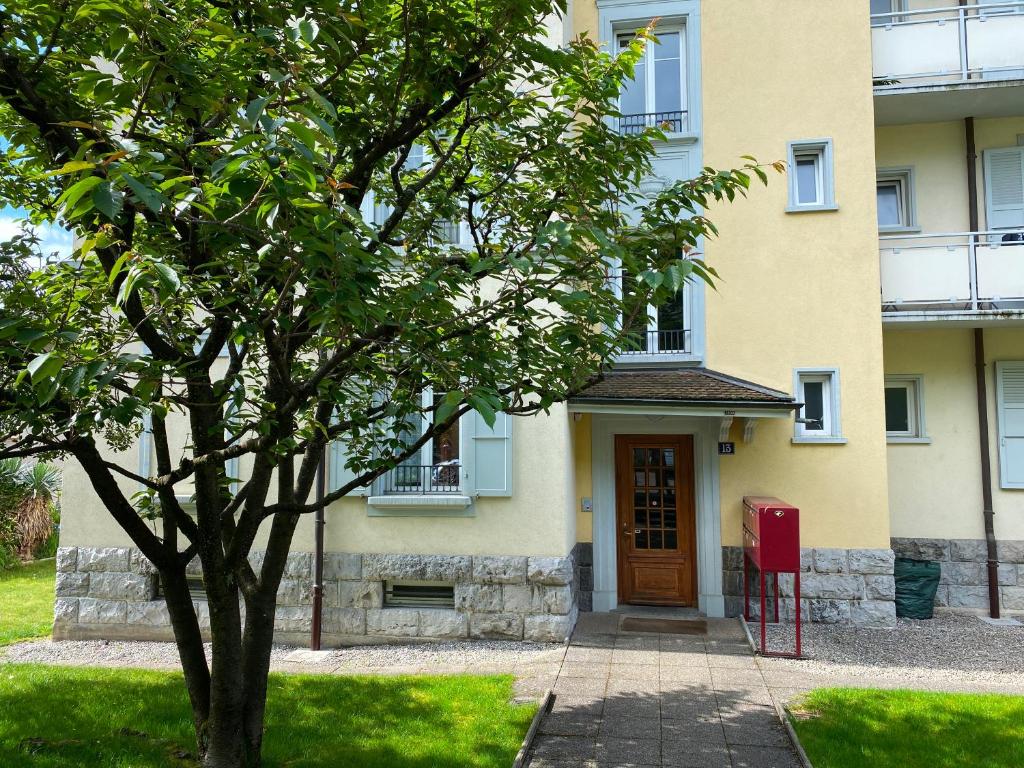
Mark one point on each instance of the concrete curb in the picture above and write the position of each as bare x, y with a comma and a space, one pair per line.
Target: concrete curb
780, 711
545, 706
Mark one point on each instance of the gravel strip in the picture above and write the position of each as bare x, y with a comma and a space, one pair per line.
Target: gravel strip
950, 650
357, 658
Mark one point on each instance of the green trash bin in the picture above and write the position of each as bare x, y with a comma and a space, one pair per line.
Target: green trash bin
917, 581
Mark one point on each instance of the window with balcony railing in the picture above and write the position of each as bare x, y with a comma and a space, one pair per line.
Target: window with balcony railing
434, 468
652, 329
656, 96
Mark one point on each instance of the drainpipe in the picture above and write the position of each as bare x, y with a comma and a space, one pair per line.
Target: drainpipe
318, 554
982, 389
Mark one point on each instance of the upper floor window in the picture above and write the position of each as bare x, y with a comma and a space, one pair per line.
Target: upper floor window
655, 328
811, 179
818, 419
895, 194
656, 96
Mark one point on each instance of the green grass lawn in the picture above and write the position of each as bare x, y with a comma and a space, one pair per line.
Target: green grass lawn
26, 601
845, 727
59, 717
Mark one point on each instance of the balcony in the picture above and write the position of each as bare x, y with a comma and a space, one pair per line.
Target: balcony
953, 276
959, 44
668, 122
422, 479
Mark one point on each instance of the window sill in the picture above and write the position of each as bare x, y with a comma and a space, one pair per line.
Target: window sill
679, 137
904, 440
820, 441
914, 230
647, 358
811, 208
421, 505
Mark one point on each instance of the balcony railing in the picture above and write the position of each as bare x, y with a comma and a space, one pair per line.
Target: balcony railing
656, 343
956, 44
669, 122
420, 478
959, 272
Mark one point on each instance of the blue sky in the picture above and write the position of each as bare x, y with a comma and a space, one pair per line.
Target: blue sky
52, 237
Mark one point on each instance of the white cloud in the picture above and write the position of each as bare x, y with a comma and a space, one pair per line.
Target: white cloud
52, 238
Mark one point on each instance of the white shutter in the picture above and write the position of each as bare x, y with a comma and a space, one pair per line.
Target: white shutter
489, 471
1010, 402
338, 474
1004, 187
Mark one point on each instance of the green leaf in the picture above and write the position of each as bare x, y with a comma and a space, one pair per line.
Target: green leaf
45, 366
108, 200
73, 166
255, 109
168, 278
148, 197
76, 191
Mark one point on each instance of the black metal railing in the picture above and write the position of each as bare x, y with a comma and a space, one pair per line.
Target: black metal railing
422, 478
669, 122
655, 342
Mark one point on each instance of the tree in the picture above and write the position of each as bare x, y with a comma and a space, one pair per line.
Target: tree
215, 158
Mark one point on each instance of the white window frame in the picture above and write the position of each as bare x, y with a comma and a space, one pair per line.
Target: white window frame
426, 451
914, 386
652, 353
831, 433
629, 32
903, 179
821, 151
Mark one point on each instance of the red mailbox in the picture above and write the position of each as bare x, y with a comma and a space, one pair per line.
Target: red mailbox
771, 543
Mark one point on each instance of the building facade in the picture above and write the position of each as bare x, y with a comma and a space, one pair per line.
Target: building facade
862, 358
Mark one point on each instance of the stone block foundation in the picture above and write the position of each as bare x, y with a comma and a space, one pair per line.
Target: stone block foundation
837, 586
111, 593
963, 584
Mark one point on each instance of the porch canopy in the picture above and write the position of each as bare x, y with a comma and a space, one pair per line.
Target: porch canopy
682, 392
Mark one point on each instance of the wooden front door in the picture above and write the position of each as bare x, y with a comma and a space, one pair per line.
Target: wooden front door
655, 519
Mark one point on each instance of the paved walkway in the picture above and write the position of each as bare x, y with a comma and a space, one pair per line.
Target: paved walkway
628, 699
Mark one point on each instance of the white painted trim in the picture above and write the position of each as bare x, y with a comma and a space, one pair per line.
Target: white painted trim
713, 412
708, 509
826, 172
834, 434
420, 505
904, 176
914, 384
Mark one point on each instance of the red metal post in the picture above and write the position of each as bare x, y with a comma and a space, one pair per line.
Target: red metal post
764, 609
775, 578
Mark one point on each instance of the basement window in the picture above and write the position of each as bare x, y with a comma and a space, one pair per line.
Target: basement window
418, 594
196, 588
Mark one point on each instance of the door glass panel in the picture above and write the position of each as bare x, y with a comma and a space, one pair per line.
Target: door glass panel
655, 517
632, 99
668, 91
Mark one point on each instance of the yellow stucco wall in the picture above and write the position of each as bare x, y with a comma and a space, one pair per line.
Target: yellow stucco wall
537, 519
582, 451
935, 489
937, 153
798, 290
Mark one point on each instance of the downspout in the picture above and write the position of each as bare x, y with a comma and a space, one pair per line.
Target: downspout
318, 554
982, 388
